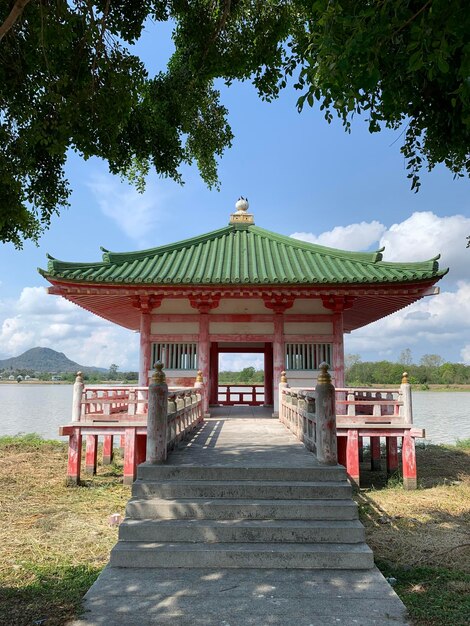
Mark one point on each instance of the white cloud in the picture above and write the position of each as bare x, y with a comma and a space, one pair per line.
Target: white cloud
237, 362
424, 234
352, 237
436, 324
38, 319
465, 354
135, 214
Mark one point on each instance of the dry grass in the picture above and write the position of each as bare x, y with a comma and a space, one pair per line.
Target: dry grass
429, 526
54, 539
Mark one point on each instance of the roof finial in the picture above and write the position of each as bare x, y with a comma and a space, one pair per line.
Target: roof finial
241, 216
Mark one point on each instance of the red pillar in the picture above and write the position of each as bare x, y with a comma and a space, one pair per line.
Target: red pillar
392, 455
408, 457
108, 449
278, 353
268, 374
352, 456
91, 453
75, 457
375, 453
140, 449
203, 357
342, 447
338, 353
214, 374
129, 455
145, 365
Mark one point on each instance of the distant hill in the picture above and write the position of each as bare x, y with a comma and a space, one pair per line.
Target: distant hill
45, 360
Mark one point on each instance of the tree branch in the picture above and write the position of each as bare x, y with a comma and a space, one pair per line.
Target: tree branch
413, 17
15, 13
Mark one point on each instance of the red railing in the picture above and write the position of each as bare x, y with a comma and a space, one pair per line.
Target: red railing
231, 395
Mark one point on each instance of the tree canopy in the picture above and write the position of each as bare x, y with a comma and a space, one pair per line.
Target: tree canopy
70, 81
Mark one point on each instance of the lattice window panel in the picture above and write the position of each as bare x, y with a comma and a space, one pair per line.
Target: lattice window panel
307, 356
175, 356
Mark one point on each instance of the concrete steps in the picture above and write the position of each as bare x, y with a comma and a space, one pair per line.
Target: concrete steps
243, 530
241, 517
242, 555
150, 472
259, 489
235, 509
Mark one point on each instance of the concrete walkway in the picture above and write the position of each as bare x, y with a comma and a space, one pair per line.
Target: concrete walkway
241, 597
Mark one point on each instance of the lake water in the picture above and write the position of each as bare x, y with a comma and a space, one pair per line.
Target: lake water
43, 408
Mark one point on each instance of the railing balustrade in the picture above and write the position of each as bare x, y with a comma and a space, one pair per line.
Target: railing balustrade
133, 414
236, 394
353, 413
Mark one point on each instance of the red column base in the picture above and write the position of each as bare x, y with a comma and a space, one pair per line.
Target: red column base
108, 449
375, 464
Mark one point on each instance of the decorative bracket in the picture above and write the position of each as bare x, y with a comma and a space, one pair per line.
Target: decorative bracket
204, 304
147, 303
337, 303
278, 303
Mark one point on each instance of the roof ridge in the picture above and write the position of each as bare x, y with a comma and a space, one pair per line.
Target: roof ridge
371, 257
127, 256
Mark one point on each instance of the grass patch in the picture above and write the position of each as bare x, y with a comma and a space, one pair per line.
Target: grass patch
28, 441
463, 444
54, 539
433, 596
422, 537
52, 596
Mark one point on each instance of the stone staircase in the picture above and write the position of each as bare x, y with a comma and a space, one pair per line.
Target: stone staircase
241, 517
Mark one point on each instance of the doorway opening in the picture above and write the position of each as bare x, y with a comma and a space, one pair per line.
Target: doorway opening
241, 374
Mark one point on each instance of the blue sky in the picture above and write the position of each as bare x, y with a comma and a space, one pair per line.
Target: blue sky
302, 176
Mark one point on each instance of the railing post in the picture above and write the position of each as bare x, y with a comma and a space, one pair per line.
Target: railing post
327, 449
282, 385
199, 385
77, 398
157, 423
405, 389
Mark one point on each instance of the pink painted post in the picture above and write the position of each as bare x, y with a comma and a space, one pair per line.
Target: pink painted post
375, 454
145, 365
203, 356
342, 444
108, 449
268, 374
129, 455
278, 353
75, 458
361, 449
214, 370
91, 453
140, 450
408, 457
352, 456
338, 352
122, 441
392, 455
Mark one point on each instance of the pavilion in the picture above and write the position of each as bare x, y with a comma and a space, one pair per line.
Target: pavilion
242, 289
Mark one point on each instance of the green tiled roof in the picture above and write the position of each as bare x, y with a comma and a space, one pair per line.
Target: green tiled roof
241, 254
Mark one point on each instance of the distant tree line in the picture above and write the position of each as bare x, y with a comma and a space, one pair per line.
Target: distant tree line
431, 370
247, 376
91, 376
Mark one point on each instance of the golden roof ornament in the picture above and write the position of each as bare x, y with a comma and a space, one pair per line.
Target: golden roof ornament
283, 377
199, 378
405, 380
241, 215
